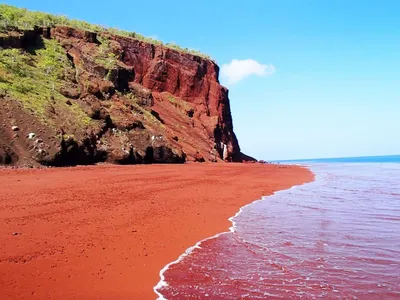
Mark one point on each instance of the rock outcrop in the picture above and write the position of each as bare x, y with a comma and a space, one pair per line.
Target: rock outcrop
116, 99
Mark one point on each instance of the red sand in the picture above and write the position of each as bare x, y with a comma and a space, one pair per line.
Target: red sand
104, 232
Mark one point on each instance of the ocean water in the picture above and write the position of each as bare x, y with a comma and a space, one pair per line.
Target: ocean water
335, 238
360, 159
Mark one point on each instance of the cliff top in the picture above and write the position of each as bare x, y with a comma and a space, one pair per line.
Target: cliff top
75, 93
21, 18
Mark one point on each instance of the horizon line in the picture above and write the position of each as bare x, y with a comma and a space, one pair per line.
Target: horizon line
339, 157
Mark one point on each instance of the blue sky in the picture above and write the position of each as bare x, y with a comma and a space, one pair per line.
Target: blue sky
323, 76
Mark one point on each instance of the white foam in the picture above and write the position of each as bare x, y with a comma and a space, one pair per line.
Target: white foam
163, 283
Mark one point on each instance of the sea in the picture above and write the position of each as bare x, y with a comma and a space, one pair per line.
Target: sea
335, 238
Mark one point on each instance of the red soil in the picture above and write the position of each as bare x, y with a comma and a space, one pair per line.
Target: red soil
105, 232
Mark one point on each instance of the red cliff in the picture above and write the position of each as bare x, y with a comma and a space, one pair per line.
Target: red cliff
145, 103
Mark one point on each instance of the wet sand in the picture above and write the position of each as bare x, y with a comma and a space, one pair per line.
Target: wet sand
104, 232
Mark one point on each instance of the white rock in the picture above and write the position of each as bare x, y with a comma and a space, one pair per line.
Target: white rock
15, 128
31, 135
225, 152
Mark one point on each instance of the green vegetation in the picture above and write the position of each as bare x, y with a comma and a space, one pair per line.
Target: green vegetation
142, 112
36, 78
182, 104
172, 99
11, 16
104, 55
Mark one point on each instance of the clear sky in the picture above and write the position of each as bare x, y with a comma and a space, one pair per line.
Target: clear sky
307, 78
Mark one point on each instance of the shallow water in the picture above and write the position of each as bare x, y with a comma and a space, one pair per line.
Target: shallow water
335, 238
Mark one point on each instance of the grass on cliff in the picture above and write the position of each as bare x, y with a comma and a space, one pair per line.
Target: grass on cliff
183, 106
35, 78
147, 116
25, 19
104, 56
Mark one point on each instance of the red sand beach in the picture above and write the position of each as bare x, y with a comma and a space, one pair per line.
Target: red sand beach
104, 232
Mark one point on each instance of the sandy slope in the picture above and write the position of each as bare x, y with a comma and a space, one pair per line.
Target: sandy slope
104, 232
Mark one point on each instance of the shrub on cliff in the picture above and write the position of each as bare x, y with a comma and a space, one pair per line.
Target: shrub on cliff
104, 55
36, 78
21, 18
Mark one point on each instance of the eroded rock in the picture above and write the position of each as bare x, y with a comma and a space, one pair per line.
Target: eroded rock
148, 104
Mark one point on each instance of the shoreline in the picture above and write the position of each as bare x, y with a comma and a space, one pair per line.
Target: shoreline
231, 229
107, 231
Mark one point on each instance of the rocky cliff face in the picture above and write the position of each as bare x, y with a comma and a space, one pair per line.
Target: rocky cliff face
109, 98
